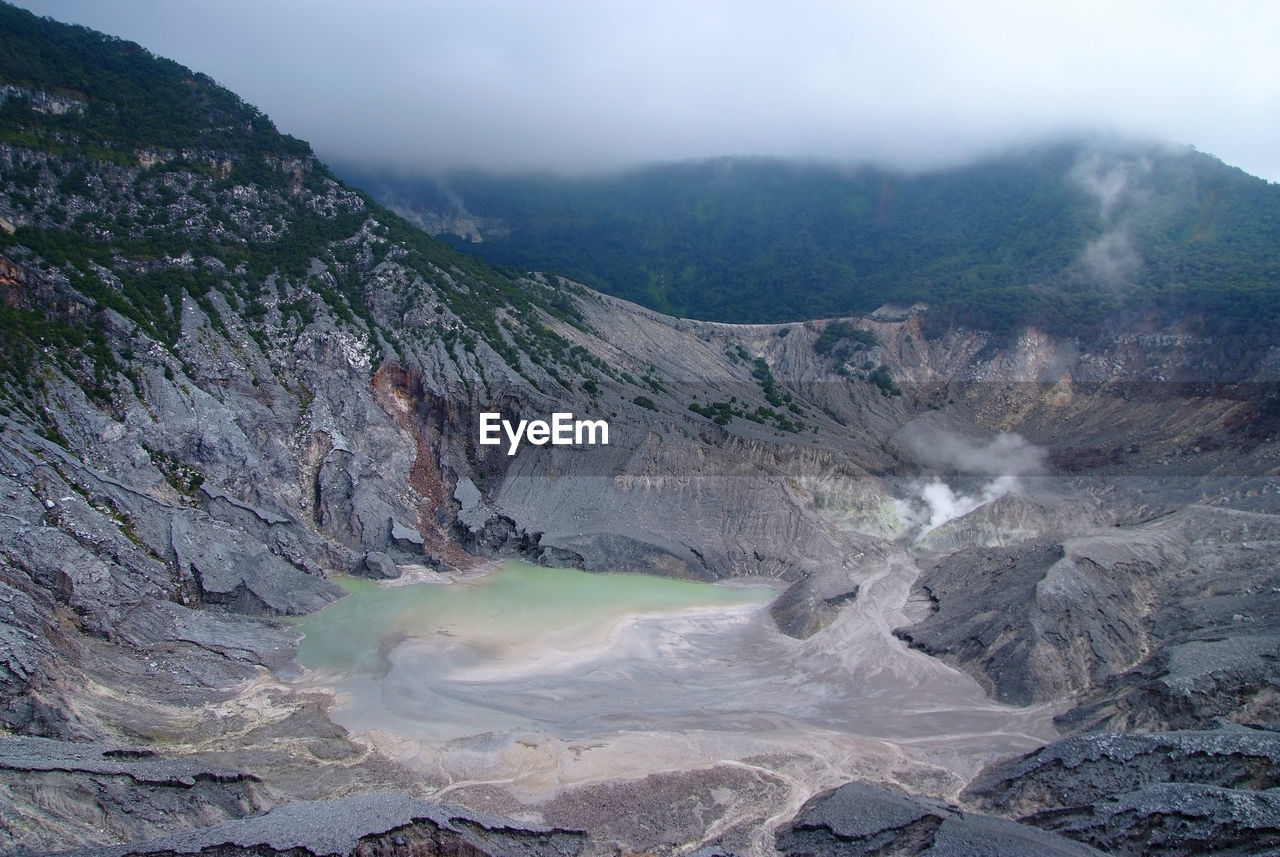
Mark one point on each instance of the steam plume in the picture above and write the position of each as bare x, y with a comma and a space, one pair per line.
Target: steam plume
934, 502
1114, 183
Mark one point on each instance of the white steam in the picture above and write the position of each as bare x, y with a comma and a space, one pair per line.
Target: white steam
933, 503
1111, 257
936, 503
1007, 454
1108, 180
1115, 183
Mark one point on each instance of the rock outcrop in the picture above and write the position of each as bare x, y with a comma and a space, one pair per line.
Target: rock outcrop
58, 791
1161, 624
367, 824
1208, 792
861, 819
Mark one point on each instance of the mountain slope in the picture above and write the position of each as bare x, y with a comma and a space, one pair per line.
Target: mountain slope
1063, 236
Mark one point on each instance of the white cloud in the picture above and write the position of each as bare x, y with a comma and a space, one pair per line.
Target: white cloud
590, 84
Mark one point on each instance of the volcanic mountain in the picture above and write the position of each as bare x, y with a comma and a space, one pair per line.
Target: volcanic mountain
1025, 575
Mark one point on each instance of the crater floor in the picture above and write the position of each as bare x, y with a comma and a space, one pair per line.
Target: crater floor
530, 680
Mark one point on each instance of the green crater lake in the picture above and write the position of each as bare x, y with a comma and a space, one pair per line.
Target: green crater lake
540, 677
503, 616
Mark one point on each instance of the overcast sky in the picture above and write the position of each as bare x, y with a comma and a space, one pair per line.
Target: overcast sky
601, 83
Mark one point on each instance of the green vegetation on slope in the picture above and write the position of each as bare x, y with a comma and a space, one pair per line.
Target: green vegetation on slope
995, 245
132, 99
142, 183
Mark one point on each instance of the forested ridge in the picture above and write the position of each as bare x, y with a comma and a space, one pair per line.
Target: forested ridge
1069, 237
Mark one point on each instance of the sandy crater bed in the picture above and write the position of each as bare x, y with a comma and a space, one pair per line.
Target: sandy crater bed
521, 689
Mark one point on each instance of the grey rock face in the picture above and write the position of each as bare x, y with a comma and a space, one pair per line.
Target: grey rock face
1086, 768
378, 566
860, 819
373, 823
227, 635
1155, 625
25, 653
241, 578
1184, 792
662, 812
51, 790
1175, 818
404, 537
811, 603
986, 617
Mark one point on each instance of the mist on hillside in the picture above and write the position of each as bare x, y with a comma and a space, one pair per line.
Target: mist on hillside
583, 87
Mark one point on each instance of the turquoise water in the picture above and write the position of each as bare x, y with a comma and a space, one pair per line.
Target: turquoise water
497, 617
539, 678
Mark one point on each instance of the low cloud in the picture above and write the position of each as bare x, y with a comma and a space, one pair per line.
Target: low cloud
578, 84
1008, 454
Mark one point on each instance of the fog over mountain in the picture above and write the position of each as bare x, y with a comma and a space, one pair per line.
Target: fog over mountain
584, 86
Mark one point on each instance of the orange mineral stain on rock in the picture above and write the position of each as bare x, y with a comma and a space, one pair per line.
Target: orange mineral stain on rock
426, 419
